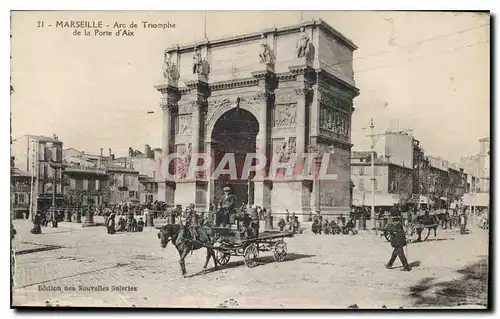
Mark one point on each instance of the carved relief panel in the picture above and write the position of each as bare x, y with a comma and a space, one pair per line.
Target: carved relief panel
285, 115
213, 106
182, 162
283, 150
334, 123
184, 124
334, 120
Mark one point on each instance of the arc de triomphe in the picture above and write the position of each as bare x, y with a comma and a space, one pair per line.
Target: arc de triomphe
275, 92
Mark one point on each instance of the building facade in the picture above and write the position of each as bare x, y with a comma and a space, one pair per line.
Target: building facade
147, 164
85, 186
20, 193
123, 184
276, 92
393, 183
42, 157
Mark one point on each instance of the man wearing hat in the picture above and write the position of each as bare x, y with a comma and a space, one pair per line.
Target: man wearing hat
226, 206
191, 221
398, 241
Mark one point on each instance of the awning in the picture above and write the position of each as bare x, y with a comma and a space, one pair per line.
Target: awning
381, 199
477, 199
425, 200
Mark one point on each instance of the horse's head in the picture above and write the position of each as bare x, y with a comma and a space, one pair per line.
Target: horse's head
167, 233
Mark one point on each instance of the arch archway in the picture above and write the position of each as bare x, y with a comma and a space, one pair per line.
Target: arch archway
235, 131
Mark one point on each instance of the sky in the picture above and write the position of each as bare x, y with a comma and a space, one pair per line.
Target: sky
425, 71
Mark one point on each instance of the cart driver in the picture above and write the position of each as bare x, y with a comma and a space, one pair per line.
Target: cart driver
191, 222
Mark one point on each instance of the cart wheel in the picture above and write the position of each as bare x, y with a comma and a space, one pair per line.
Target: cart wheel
222, 258
279, 250
250, 255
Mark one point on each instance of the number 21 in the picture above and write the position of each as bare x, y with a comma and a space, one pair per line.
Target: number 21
39, 24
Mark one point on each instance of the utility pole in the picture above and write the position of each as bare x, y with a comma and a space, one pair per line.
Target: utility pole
374, 223
32, 190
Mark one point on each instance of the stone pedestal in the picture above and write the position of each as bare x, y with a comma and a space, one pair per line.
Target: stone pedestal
192, 192
262, 196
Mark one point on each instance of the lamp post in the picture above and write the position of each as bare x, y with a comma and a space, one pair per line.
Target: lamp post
372, 153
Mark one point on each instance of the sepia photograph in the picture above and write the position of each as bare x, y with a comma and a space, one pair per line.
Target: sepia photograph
250, 159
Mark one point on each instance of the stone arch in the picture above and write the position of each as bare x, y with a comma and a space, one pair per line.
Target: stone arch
220, 111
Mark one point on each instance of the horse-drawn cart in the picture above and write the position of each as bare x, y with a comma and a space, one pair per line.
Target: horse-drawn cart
229, 244
412, 230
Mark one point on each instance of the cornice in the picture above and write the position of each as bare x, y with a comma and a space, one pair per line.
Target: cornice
233, 84
255, 36
354, 91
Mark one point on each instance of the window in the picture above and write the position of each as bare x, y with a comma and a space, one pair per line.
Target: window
375, 185
16, 198
361, 185
48, 153
91, 184
42, 152
50, 172
362, 171
72, 183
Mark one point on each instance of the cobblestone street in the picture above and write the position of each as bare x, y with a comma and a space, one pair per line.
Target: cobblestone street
320, 272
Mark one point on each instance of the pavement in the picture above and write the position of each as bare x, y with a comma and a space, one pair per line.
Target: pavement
75, 266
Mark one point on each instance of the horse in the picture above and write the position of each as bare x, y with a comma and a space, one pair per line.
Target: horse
182, 241
431, 222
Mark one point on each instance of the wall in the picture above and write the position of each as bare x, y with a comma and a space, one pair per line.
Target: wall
361, 177
398, 147
335, 57
238, 60
336, 193
145, 166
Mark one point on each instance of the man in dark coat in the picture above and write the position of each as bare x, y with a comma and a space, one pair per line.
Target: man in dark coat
398, 241
37, 223
110, 223
191, 222
226, 206
53, 217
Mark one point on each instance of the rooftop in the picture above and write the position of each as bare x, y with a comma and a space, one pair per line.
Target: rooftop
17, 172
361, 154
42, 138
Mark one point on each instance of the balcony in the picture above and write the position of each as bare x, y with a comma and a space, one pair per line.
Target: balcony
22, 189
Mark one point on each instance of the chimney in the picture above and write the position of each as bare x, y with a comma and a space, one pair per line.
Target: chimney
100, 159
109, 152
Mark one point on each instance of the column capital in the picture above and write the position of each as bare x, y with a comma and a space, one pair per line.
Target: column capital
169, 106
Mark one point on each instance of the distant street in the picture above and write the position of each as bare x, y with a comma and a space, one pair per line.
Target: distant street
321, 272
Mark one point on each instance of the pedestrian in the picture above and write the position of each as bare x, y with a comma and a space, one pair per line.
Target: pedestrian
140, 224
37, 223
110, 223
146, 213
282, 223
53, 217
398, 242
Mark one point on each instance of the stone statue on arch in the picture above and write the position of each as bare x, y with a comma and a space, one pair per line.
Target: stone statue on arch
170, 72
